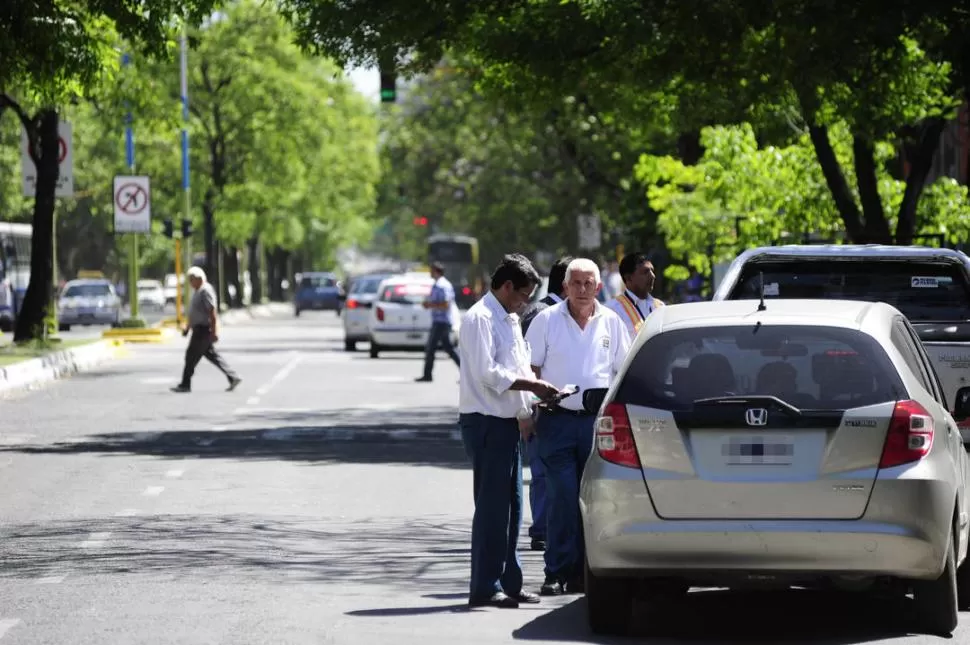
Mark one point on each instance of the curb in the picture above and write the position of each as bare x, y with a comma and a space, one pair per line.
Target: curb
31, 373
269, 310
140, 335
352, 434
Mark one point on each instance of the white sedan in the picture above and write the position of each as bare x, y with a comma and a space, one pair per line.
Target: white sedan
398, 320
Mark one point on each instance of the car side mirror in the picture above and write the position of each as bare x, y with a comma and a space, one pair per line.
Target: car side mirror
593, 399
961, 404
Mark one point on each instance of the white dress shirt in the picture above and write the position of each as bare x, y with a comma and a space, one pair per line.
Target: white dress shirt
645, 306
493, 356
568, 355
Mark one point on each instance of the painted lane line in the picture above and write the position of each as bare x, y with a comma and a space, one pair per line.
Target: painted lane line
283, 373
96, 540
128, 512
6, 624
51, 580
174, 474
153, 491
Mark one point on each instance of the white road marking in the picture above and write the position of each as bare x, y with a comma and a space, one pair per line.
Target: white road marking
174, 474
280, 375
253, 400
95, 540
255, 411
6, 624
153, 491
390, 379
51, 580
15, 439
128, 512
219, 428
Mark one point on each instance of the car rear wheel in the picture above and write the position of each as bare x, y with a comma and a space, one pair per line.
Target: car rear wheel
609, 604
296, 312
963, 583
936, 600
375, 349
350, 345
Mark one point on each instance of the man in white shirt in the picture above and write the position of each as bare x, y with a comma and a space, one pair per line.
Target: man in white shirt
635, 303
493, 394
577, 342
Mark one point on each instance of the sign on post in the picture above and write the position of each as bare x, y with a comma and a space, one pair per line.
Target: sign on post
65, 180
590, 232
132, 204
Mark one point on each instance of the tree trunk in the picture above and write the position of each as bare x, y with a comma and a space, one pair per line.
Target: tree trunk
920, 157
31, 322
209, 236
837, 184
254, 269
277, 261
230, 264
876, 227
689, 148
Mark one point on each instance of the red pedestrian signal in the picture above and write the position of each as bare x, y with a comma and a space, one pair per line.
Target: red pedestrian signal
420, 221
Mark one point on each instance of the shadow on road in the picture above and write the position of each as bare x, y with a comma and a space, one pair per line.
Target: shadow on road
421, 436
718, 617
427, 554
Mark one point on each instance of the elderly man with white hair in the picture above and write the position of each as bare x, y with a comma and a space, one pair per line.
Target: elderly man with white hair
204, 325
576, 342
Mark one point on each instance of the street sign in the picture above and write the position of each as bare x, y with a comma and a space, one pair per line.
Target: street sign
65, 181
132, 204
590, 232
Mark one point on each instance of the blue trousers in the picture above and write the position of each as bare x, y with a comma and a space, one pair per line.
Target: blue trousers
564, 443
537, 488
439, 336
492, 445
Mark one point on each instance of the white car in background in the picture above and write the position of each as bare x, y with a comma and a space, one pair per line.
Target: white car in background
356, 311
151, 295
398, 320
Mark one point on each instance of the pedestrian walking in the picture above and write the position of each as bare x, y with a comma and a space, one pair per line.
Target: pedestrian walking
441, 302
493, 394
537, 485
636, 302
576, 342
204, 325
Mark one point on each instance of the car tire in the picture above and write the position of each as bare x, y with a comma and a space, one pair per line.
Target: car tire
375, 349
63, 327
936, 600
350, 345
296, 312
609, 604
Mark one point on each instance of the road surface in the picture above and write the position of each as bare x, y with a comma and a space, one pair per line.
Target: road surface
275, 515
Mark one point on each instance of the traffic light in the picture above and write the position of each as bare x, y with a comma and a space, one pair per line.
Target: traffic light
388, 87
186, 228
420, 221
169, 228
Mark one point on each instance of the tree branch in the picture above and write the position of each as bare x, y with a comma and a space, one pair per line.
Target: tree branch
6, 101
876, 226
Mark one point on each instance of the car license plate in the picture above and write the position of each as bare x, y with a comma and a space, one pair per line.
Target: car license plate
758, 451
415, 336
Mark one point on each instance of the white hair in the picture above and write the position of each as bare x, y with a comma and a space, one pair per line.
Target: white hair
196, 272
584, 265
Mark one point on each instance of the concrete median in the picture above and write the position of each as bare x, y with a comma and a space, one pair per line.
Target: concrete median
34, 372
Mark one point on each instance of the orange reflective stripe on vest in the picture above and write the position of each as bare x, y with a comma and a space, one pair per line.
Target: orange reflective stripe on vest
631, 311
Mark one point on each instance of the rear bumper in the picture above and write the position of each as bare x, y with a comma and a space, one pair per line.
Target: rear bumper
325, 304
904, 533
403, 339
95, 318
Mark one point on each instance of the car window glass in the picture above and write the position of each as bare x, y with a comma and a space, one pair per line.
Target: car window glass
900, 338
406, 293
826, 368
927, 363
87, 290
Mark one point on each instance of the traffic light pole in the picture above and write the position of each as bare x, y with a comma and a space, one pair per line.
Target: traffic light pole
133, 252
186, 184
178, 282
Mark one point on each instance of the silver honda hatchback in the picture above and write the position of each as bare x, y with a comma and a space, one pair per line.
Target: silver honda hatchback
798, 443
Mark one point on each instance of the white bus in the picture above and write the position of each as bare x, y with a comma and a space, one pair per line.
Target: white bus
14, 270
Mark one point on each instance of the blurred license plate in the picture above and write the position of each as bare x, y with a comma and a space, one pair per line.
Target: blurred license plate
415, 336
758, 451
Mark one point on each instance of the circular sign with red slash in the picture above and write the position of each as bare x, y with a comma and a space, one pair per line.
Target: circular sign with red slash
61, 151
131, 199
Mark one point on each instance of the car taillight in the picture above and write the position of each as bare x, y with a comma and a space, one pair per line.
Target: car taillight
380, 314
351, 304
614, 437
910, 435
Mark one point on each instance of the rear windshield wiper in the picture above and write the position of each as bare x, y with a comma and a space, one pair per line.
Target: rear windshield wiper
750, 400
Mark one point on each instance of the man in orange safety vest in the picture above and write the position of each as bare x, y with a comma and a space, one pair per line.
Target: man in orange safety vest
635, 303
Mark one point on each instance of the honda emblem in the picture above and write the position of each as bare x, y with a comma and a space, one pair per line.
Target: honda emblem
756, 416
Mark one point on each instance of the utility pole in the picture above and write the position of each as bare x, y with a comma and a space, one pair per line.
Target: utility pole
187, 213
133, 251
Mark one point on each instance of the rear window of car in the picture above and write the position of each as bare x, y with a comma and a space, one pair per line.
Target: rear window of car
809, 367
87, 290
406, 293
922, 291
366, 285
314, 281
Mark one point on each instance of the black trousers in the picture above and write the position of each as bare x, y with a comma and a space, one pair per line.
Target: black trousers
201, 345
439, 336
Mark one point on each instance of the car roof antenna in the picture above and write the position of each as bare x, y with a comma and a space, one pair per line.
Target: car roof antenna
761, 304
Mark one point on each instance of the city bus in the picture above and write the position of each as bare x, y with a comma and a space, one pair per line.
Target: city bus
459, 255
14, 270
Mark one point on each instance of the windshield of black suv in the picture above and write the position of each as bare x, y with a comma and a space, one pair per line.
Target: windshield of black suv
922, 291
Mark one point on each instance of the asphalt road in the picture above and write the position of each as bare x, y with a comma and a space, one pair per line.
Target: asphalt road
277, 514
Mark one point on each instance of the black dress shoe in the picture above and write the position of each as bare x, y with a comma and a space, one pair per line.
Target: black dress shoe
551, 587
538, 544
498, 599
526, 598
423, 379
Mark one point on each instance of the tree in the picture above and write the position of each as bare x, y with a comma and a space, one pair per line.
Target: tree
52, 52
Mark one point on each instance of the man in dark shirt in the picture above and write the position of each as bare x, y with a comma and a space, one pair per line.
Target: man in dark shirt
537, 487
